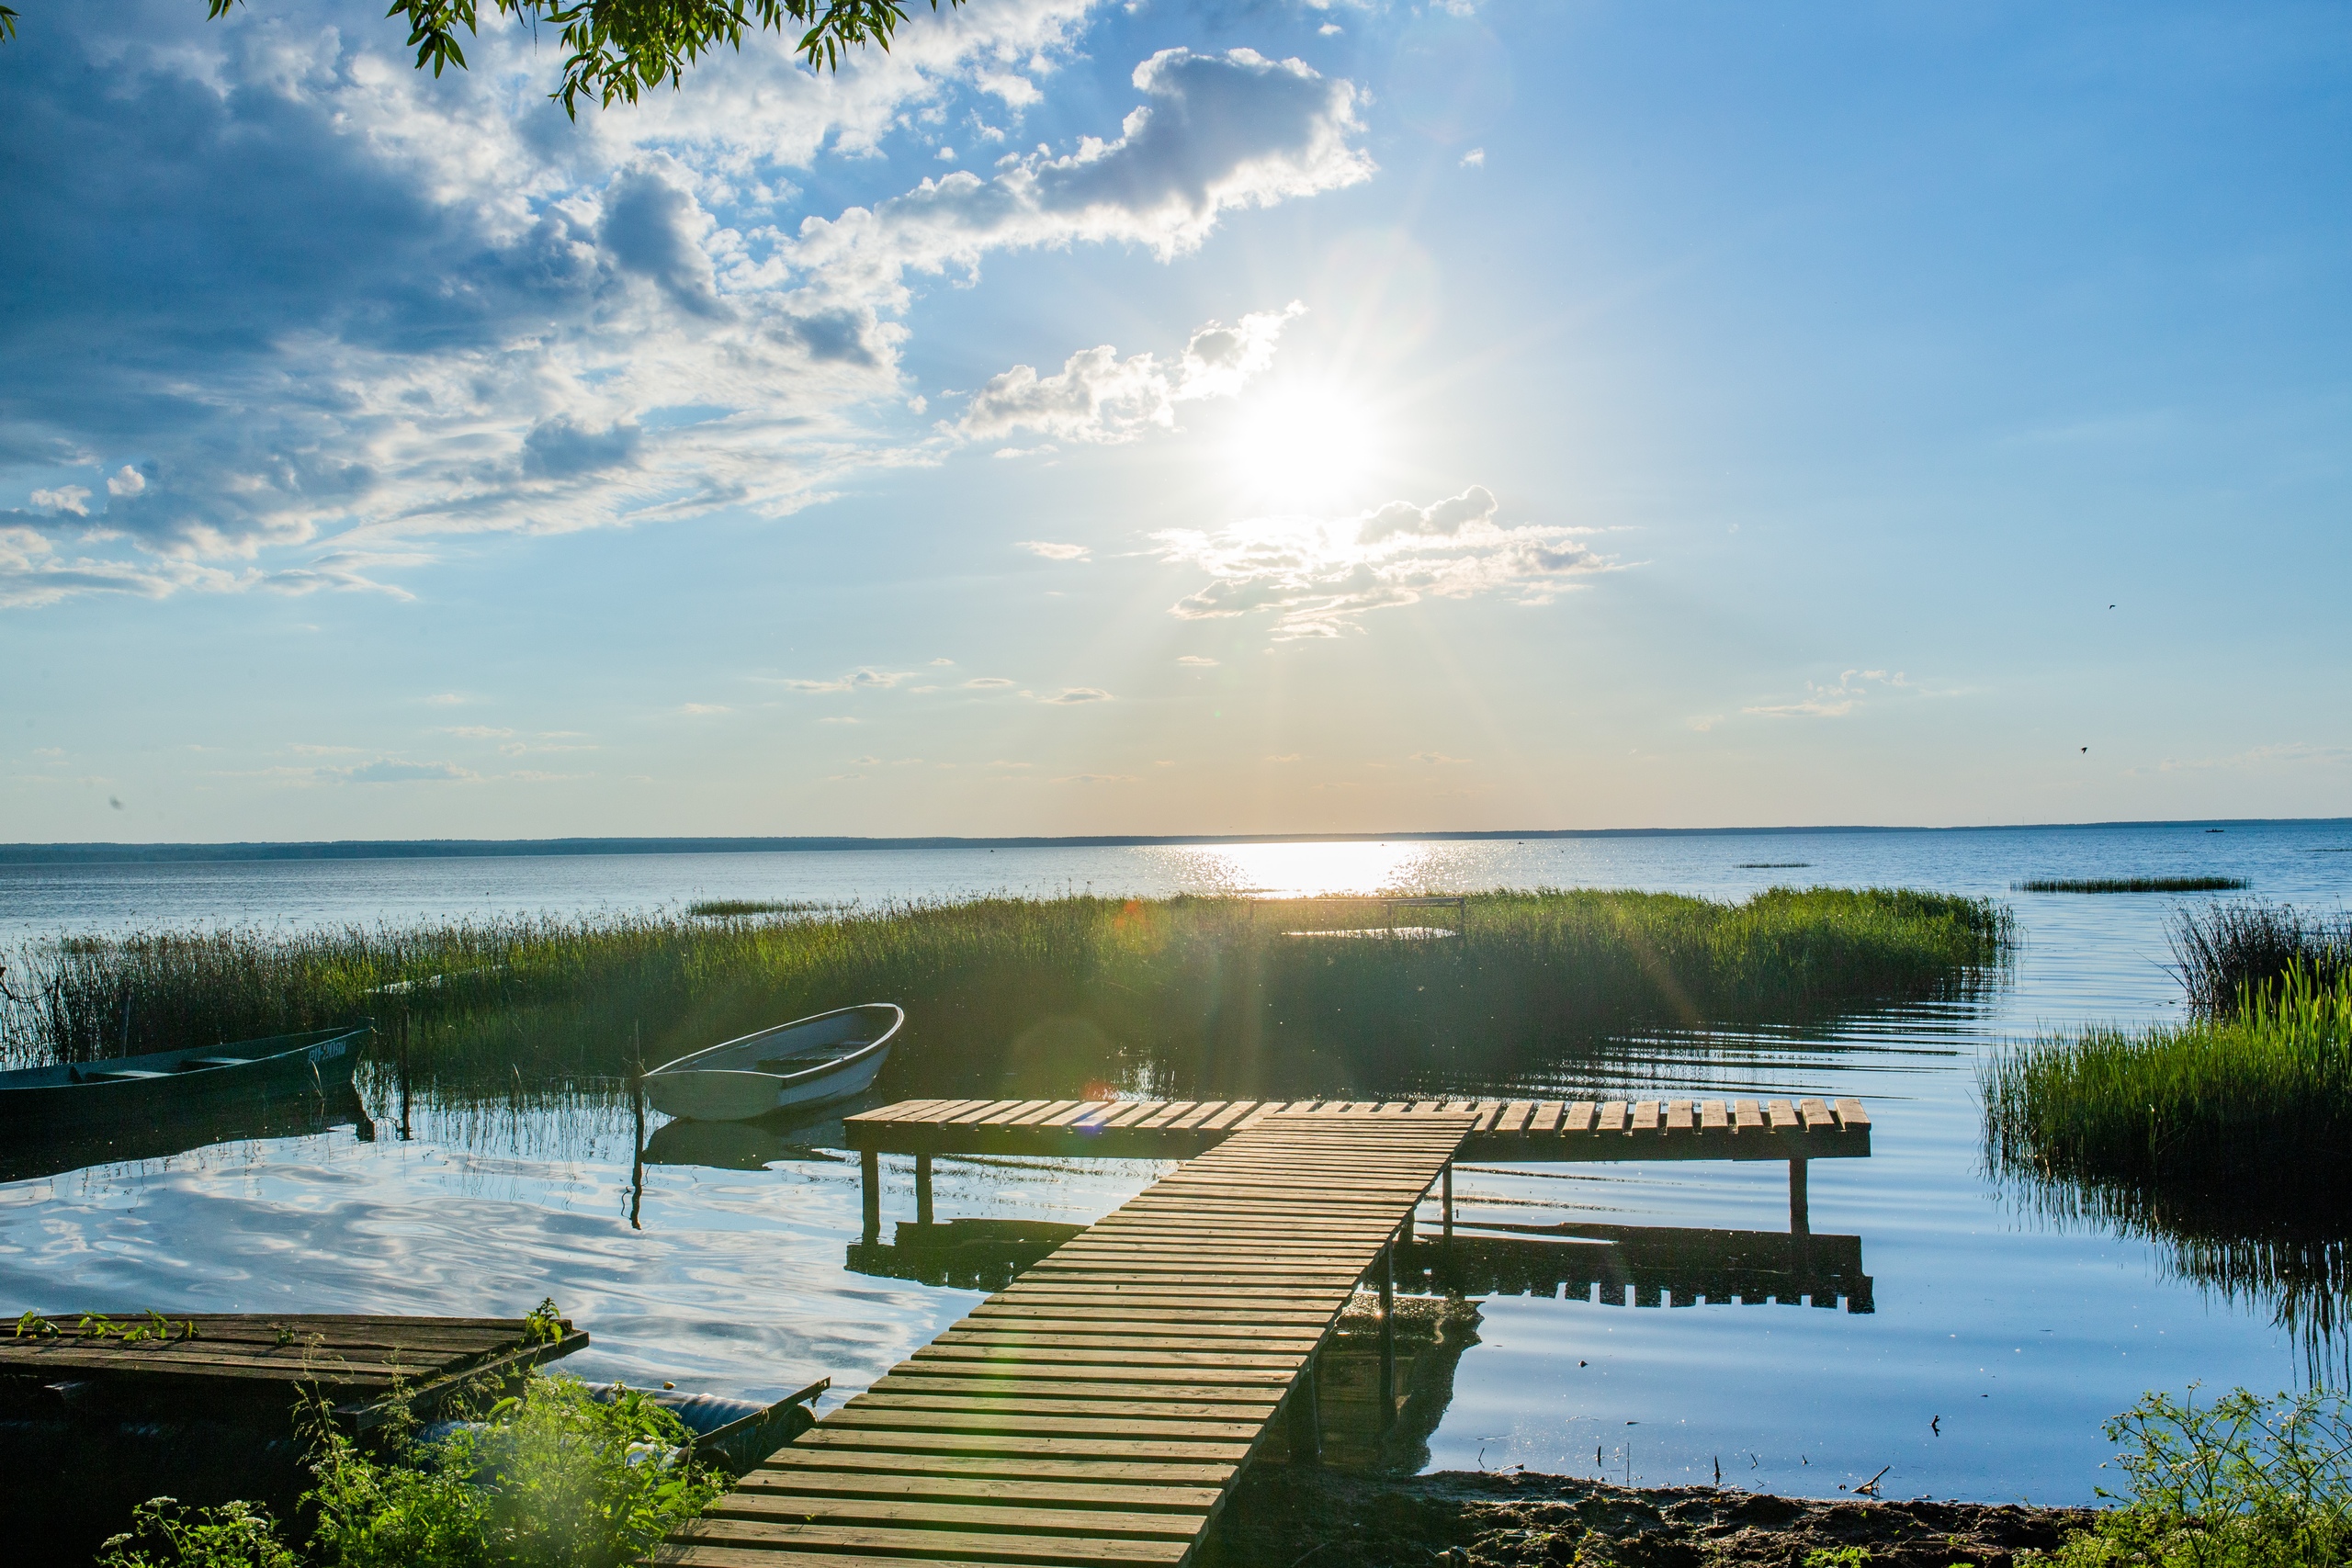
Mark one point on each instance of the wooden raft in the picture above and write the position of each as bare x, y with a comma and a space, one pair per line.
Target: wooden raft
355, 1362
1097, 1411
1533, 1129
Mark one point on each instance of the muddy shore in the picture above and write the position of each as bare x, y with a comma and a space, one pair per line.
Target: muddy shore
1283, 1517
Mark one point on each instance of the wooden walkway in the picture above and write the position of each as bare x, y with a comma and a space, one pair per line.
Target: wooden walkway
1097, 1411
354, 1361
1540, 1130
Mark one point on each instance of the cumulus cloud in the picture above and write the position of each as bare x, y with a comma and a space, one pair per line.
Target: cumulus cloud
75, 499
1318, 577
396, 307
1052, 551
1069, 695
1197, 660
1098, 396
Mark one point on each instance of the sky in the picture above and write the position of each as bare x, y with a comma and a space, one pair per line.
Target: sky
1171, 418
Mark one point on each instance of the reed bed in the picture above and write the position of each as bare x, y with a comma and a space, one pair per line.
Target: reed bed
2258, 1102
2130, 885
2232, 952
1051, 996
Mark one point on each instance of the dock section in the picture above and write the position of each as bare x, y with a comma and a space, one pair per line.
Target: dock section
1098, 1410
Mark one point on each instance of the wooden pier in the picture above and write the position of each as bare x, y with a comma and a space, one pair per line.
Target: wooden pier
358, 1363
1098, 1411
1529, 1130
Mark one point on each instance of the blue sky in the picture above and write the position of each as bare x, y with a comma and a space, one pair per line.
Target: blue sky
1251, 417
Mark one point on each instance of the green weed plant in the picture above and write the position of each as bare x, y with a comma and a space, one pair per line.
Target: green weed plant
2245, 1482
562, 1475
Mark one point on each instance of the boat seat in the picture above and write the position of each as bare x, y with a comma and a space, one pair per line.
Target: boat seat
803, 1062
127, 1073
189, 1062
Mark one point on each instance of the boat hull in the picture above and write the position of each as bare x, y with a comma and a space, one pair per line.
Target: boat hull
809, 1062
128, 1092
722, 1096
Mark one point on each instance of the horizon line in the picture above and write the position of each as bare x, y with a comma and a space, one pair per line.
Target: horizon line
97, 852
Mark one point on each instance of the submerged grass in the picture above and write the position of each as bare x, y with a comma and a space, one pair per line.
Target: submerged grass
1179, 996
2130, 885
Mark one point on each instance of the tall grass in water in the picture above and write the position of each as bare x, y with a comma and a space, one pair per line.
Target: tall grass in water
2233, 951
2129, 884
1180, 996
2261, 1098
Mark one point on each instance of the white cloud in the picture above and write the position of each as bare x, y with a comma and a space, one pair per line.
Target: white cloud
1833, 702
1196, 660
1319, 576
704, 707
855, 680
543, 299
387, 770
75, 499
987, 683
1438, 759
1098, 778
1286, 757
1069, 695
1052, 551
1098, 396
1474, 158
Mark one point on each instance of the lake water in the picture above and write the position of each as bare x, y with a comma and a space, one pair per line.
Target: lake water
2000, 1341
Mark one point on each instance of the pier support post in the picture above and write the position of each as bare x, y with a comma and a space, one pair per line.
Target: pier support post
1800, 1227
1448, 1201
923, 1190
1305, 1432
1388, 1336
869, 1181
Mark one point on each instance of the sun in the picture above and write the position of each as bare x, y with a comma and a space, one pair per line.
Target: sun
1305, 445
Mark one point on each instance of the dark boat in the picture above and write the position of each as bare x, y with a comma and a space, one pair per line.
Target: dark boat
151, 1089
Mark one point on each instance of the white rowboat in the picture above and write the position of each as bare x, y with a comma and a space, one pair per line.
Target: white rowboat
808, 1062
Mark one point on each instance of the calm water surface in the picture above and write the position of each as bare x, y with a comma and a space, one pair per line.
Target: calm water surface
2014, 1336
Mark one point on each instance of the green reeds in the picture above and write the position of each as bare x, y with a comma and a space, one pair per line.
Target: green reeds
2260, 1101
2130, 885
1045, 996
731, 908
2234, 951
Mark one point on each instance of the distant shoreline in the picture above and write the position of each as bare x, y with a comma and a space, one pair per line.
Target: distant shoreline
489, 849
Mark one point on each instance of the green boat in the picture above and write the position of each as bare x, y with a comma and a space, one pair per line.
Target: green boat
118, 1091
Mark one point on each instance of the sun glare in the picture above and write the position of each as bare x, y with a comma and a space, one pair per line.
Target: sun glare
1303, 446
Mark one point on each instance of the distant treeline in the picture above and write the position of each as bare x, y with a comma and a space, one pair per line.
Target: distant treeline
1050, 996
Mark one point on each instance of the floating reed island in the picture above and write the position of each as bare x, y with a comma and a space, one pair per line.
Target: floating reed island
1183, 996
2131, 884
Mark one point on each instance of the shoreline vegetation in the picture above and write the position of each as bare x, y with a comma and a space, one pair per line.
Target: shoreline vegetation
2131, 884
1179, 996
557, 1475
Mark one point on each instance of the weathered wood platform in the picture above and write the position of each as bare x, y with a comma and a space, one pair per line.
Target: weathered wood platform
1097, 1411
1534, 1130
354, 1362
